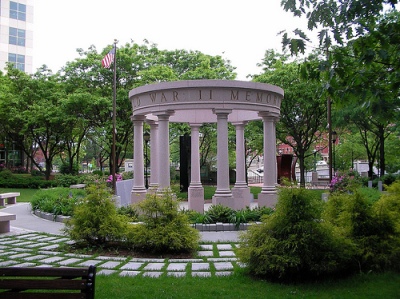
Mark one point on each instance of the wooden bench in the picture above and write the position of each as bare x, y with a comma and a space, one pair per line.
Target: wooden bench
11, 198
47, 282
5, 219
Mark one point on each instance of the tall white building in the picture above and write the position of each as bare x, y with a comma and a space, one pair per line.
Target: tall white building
16, 34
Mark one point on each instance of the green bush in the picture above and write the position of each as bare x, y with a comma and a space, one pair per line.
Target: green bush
165, 229
58, 201
293, 243
66, 180
65, 169
371, 226
98, 172
22, 181
220, 213
130, 212
5, 174
127, 175
95, 220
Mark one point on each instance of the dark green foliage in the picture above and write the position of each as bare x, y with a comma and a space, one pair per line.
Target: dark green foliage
371, 226
65, 168
164, 229
293, 243
95, 220
220, 213
127, 175
58, 201
129, 211
223, 214
66, 180
98, 172
9, 180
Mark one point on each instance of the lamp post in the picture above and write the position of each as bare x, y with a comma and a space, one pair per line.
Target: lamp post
334, 137
146, 137
315, 159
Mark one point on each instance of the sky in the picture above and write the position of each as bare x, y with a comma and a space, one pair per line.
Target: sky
239, 31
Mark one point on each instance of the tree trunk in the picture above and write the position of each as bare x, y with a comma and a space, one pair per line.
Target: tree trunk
302, 168
47, 172
381, 151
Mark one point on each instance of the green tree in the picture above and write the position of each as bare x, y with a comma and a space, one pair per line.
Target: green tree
362, 62
303, 109
136, 65
32, 114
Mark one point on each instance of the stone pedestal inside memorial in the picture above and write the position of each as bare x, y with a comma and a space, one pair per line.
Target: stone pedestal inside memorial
267, 199
241, 198
196, 199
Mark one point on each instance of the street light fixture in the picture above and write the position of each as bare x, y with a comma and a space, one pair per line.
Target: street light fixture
334, 137
146, 137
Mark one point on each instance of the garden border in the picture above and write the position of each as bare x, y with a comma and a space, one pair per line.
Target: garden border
212, 227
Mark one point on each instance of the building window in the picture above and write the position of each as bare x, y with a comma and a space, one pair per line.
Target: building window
17, 60
17, 11
17, 37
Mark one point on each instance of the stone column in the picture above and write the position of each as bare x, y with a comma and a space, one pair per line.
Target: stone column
153, 155
138, 190
223, 193
241, 191
196, 190
164, 177
268, 195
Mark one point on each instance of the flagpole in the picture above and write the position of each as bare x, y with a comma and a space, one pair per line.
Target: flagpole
113, 154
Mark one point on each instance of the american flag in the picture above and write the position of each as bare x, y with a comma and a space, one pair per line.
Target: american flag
108, 59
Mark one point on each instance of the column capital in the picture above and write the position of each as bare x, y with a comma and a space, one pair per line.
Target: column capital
240, 124
195, 125
138, 118
151, 122
268, 116
164, 114
221, 111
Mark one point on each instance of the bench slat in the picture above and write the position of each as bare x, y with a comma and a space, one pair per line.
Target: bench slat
47, 282
35, 284
44, 271
42, 296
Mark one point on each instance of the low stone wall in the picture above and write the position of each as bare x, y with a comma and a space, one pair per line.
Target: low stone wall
213, 227
50, 216
219, 226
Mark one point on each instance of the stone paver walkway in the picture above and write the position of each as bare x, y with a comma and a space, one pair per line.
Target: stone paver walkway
34, 249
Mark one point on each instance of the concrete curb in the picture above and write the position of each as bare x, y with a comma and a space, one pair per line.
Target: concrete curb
212, 227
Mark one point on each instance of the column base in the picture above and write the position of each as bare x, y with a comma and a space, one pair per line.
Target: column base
267, 199
138, 196
241, 197
196, 199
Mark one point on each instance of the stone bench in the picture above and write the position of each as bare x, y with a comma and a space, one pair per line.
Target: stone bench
78, 186
11, 198
5, 219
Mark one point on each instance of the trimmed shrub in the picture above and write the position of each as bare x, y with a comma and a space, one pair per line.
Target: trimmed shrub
58, 201
165, 229
95, 220
293, 243
372, 228
9, 180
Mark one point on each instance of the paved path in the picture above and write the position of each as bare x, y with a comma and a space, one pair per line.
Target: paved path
34, 242
34, 249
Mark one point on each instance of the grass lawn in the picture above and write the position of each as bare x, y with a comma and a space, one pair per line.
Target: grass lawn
241, 286
26, 194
